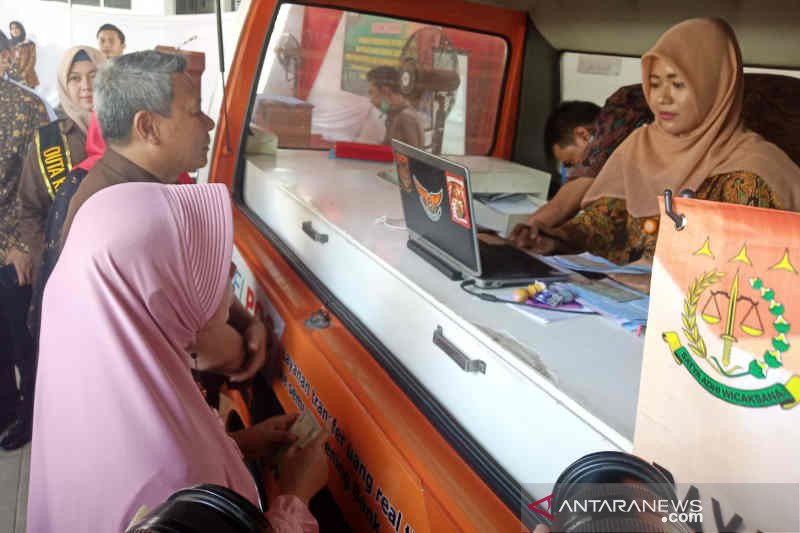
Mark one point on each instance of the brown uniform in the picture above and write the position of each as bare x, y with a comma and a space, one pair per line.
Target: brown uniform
23, 68
33, 200
111, 169
404, 124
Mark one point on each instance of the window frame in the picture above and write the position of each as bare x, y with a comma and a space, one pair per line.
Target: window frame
499, 480
268, 35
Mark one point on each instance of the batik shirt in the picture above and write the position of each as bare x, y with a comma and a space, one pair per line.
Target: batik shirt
605, 228
21, 112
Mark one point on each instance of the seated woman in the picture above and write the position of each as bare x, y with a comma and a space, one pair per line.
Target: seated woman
119, 422
693, 82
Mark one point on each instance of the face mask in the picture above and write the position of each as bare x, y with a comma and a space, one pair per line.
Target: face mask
384, 106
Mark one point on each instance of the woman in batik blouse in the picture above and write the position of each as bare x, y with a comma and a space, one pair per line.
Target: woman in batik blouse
693, 81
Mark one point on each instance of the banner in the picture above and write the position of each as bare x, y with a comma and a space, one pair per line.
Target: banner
720, 387
369, 42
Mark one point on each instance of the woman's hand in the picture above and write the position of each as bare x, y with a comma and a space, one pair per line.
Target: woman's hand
528, 236
275, 430
264, 437
523, 235
23, 264
219, 349
304, 471
543, 245
255, 337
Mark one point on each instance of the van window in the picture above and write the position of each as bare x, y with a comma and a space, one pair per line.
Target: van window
594, 77
441, 93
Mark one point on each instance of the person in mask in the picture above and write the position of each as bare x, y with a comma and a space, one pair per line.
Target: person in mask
402, 121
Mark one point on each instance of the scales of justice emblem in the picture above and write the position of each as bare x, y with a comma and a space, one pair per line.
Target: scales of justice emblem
734, 307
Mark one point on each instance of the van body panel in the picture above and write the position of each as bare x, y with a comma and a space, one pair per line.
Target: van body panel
449, 448
451, 491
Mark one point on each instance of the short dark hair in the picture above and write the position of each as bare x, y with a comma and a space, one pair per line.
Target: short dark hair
19, 25
4, 42
111, 27
385, 76
562, 122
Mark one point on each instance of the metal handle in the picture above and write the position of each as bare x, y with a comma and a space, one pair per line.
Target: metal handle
309, 230
677, 218
466, 364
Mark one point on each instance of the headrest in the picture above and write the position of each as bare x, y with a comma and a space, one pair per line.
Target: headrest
771, 107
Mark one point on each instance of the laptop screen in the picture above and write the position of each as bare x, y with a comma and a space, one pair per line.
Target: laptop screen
436, 202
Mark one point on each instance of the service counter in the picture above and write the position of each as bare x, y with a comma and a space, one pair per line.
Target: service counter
549, 393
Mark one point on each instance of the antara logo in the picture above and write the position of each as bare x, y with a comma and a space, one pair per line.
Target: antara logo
535, 507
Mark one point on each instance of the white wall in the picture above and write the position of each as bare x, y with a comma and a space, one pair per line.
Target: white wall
152, 7
596, 88
55, 27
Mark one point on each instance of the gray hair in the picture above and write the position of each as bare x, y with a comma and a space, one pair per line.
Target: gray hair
125, 85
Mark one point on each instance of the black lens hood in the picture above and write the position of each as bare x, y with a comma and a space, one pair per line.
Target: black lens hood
611, 467
204, 508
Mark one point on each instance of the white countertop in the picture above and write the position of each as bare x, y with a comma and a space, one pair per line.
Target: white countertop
587, 363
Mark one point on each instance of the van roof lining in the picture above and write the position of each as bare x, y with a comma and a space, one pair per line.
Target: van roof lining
768, 30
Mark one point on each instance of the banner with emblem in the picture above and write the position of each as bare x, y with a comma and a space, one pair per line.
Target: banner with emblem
720, 385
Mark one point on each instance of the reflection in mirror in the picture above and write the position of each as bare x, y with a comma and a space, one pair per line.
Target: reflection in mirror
331, 75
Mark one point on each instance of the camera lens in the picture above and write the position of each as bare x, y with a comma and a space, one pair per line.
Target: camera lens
201, 509
615, 492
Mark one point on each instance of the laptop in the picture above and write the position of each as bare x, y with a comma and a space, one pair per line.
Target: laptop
437, 203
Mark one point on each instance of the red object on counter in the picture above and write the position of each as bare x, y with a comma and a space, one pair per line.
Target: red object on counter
367, 152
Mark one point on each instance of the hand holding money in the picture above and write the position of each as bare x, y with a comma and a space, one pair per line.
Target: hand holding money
304, 467
267, 436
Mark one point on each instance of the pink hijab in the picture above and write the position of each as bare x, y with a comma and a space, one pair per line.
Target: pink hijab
118, 421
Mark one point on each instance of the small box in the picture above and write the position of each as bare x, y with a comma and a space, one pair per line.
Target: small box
502, 215
289, 118
195, 61
489, 175
366, 152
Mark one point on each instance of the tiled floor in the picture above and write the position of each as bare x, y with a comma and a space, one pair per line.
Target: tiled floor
14, 468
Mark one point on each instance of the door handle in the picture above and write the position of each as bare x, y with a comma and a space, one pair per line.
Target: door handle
460, 358
309, 230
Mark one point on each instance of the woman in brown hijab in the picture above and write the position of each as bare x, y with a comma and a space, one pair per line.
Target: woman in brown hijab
23, 66
692, 79
42, 174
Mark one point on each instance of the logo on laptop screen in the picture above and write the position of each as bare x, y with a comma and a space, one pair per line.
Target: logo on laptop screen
457, 192
403, 173
431, 201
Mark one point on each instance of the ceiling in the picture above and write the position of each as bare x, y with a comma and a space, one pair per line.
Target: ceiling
768, 30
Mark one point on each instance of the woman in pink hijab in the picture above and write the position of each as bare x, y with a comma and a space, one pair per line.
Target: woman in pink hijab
119, 423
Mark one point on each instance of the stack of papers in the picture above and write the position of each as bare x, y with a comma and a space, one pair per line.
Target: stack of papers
626, 307
501, 212
587, 262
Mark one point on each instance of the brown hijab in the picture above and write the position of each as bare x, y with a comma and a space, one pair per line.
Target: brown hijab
706, 55
71, 108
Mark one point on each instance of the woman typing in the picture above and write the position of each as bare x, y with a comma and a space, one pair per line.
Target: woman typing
693, 82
